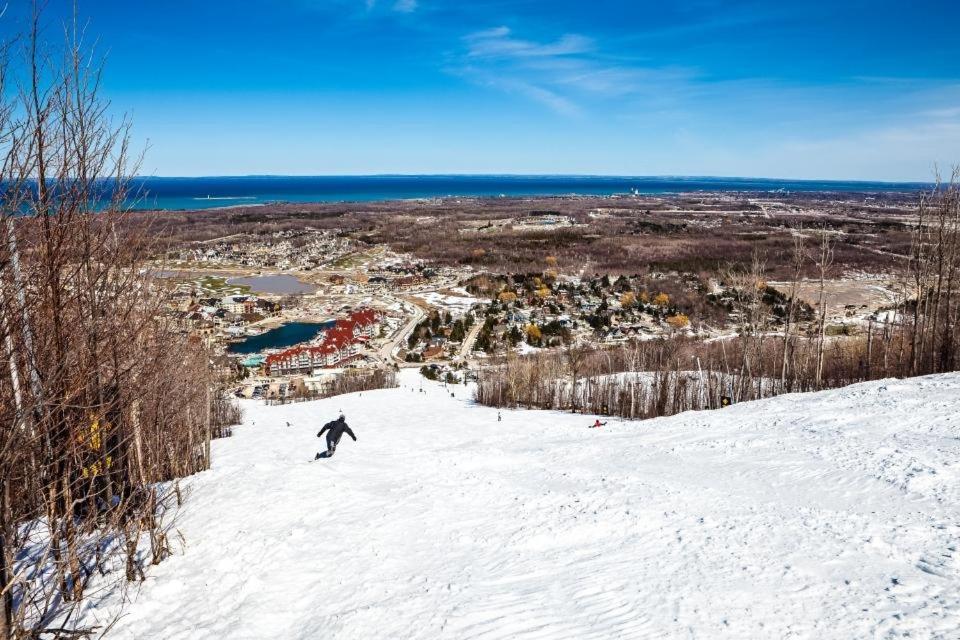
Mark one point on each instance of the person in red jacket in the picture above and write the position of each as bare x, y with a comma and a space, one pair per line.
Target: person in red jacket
597, 424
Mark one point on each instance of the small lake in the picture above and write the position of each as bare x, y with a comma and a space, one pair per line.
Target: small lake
281, 337
278, 284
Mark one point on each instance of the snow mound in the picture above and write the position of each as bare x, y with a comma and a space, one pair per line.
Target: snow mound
830, 515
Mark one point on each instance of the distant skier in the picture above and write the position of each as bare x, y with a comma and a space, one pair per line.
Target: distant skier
598, 424
335, 430
499, 417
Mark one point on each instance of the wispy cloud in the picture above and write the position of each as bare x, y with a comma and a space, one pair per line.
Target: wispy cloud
551, 99
400, 6
562, 73
500, 43
405, 6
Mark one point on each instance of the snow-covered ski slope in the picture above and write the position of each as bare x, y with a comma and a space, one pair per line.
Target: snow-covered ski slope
830, 515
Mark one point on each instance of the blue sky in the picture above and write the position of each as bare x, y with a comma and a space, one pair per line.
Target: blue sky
845, 90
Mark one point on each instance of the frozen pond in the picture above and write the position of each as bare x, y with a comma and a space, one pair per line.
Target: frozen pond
278, 284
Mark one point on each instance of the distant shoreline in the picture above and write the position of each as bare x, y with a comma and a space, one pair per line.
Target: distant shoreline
229, 192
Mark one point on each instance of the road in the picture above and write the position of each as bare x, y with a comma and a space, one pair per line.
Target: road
467, 347
386, 352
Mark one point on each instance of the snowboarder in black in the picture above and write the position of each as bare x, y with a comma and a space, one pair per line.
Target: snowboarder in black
335, 430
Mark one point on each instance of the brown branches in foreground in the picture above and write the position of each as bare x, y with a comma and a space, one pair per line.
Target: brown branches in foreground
102, 404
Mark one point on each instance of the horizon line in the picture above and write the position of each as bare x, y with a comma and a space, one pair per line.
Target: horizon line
536, 175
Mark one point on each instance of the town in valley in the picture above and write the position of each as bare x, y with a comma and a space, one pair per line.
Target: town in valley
368, 298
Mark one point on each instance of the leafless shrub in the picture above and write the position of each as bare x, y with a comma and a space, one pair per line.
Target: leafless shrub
102, 404
350, 382
663, 377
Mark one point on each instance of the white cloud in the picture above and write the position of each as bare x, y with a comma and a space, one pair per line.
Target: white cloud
405, 6
498, 43
400, 6
555, 101
559, 73
495, 32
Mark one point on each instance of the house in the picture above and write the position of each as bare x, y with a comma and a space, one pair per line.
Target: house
237, 304
615, 336
518, 315
202, 329
323, 383
436, 351
407, 281
230, 318
268, 308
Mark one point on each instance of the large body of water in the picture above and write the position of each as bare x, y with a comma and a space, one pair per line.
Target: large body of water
281, 337
200, 193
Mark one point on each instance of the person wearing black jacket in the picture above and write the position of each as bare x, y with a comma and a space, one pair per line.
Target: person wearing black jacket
335, 430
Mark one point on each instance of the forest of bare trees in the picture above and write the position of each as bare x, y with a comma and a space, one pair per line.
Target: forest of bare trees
102, 404
351, 382
918, 335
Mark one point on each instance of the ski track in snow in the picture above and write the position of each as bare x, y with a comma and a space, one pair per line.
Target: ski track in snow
831, 515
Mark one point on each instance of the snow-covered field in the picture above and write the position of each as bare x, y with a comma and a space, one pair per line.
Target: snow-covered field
454, 304
832, 515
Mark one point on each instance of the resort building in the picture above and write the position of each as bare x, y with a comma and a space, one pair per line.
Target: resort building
339, 345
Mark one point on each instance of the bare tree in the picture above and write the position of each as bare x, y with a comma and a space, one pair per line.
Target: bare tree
823, 260
798, 257
575, 356
101, 398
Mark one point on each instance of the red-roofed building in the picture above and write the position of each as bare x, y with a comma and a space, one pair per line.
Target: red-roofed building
339, 345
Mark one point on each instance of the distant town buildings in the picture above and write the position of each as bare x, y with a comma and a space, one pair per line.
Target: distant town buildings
338, 347
302, 250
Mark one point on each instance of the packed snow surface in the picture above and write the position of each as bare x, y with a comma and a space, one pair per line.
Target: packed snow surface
830, 515
457, 304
